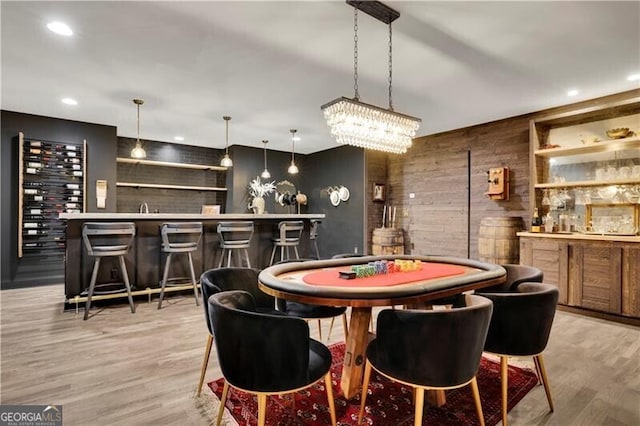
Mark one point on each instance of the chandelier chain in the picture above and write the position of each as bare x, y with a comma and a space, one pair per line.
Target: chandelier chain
355, 53
390, 66
138, 105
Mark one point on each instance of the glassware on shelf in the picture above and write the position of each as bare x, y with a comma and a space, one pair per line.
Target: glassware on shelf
546, 201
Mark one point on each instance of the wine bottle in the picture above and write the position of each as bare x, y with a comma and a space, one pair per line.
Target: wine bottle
536, 222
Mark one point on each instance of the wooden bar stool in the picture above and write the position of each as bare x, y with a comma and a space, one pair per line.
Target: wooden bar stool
235, 236
179, 237
289, 234
108, 239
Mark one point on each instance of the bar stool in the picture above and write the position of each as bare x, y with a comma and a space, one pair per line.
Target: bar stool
289, 234
313, 235
108, 239
179, 237
235, 236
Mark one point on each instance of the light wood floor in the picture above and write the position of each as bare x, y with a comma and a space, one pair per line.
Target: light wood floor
130, 369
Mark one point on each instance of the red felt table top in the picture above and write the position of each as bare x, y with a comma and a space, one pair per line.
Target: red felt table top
330, 277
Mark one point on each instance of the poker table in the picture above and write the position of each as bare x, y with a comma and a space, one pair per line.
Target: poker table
319, 282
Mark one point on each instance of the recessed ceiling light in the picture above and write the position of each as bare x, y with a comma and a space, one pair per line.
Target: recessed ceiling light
634, 77
178, 138
69, 101
60, 28
572, 92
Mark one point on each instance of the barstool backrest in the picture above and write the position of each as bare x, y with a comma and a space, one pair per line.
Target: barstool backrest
181, 236
290, 230
238, 232
108, 238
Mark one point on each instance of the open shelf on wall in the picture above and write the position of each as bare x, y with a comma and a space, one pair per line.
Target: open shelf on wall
169, 164
162, 186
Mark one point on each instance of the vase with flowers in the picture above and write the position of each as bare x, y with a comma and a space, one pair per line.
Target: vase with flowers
258, 190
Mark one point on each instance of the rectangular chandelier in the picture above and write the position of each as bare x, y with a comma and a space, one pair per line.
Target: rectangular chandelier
367, 126
356, 123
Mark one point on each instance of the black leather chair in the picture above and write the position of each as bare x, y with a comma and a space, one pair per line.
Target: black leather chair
224, 279
430, 349
520, 326
516, 275
265, 354
310, 312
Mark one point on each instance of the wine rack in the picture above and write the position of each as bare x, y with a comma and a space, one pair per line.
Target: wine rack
51, 181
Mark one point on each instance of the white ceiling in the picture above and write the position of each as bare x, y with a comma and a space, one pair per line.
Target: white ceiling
271, 65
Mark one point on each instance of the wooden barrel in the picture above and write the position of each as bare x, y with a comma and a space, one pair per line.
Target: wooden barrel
497, 239
387, 241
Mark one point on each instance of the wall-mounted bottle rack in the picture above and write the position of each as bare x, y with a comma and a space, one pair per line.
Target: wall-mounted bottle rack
51, 180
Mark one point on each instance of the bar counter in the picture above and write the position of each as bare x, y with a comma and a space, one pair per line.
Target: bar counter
145, 260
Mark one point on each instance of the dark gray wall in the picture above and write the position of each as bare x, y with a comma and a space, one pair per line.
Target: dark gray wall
343, 230
101, 154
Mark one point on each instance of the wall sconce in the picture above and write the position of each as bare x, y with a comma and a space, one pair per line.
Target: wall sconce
293, 169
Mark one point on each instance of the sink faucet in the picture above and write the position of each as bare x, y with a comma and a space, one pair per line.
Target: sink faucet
144, 208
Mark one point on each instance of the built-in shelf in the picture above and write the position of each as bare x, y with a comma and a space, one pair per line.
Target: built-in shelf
169, 164
608, 145
161, 186
577, 184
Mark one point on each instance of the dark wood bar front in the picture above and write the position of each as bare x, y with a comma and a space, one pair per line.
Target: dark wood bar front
144, 261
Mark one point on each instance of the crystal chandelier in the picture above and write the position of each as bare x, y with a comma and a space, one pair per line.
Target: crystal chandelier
368, 126
138, 151
226, 160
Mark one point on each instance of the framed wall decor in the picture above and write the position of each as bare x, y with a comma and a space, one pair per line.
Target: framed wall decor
378, 192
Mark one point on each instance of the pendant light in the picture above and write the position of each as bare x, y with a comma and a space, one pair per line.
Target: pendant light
138, 151
293, 169
226, 160
265, 174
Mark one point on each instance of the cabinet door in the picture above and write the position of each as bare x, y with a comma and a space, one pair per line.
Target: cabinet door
550, 256
595, 276
631, 281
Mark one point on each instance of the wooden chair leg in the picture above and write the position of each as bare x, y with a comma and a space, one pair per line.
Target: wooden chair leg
365, 388
332, 405
419, 404
262, 409
223, 401
476, 398
545, 381
537, 365
333, 319
504, 380
345, 327
205, 363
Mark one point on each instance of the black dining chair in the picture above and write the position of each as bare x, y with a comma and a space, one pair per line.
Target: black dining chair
265, 354
311, 312
224, 279
430, 349
516, 275
520, 326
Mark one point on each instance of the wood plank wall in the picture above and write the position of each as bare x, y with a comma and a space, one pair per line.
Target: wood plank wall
444, 218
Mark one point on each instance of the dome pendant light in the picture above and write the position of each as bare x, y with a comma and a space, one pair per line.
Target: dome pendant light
293, 169
265, 174
226, 160
138, 151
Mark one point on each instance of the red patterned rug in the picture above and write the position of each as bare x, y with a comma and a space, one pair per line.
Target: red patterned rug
388, 403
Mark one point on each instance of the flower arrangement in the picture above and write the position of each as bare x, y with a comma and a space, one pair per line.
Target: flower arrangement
259, 189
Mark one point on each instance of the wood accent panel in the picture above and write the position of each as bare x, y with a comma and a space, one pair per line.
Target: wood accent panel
631, 281
551, 257
595, 271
